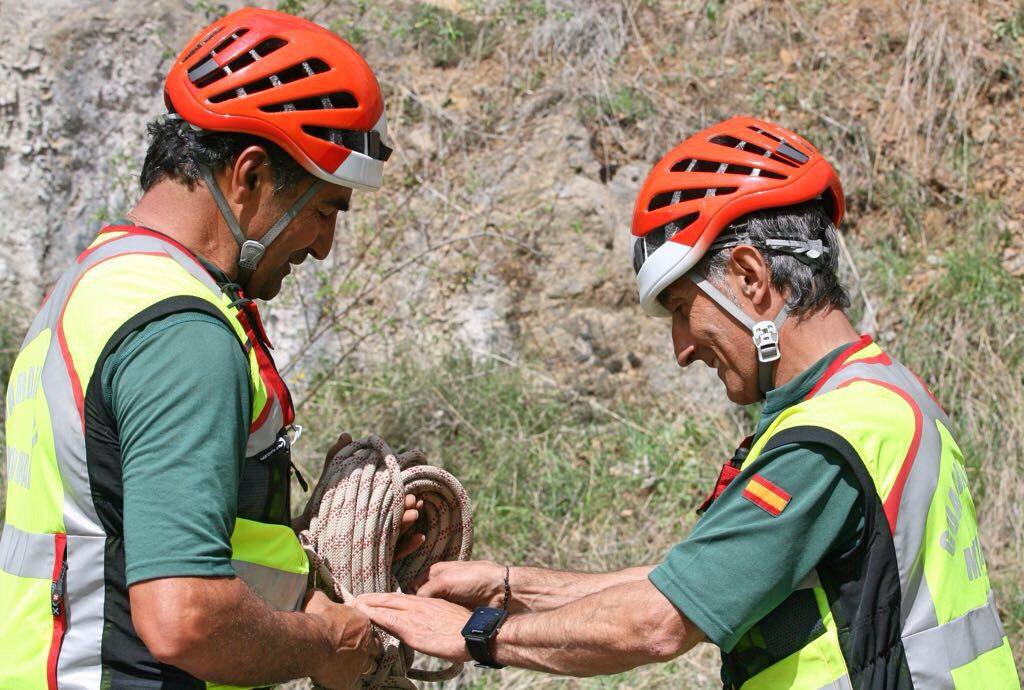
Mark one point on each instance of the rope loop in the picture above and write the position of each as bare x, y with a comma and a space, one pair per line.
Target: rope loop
357, 517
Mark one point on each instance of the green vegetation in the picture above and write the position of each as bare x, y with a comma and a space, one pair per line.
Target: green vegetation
623, 105
554, 481
551, 476
122, 186
291, 6
208, 8
441, 35
1012, 27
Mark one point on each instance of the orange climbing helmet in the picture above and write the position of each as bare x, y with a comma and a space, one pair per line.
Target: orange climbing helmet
713, 178
289, 81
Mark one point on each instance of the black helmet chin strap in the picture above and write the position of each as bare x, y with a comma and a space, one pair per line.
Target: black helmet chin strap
766, 333
251, 251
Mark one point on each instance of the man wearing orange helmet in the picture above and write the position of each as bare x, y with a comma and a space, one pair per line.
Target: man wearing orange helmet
839, 548
148, 538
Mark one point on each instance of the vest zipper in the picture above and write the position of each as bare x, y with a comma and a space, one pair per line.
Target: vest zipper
58, 607
57, 591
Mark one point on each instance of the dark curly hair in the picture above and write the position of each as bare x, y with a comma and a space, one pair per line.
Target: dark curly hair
175, 149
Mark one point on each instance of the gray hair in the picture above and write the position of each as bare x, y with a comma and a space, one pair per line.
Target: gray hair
801, 246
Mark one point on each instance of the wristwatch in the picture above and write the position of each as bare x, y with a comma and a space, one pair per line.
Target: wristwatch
479, 633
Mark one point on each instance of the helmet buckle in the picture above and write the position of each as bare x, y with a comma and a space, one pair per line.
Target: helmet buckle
766, 340
250, 254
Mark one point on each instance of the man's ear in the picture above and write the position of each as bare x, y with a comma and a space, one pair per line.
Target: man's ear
250, 176
750, 274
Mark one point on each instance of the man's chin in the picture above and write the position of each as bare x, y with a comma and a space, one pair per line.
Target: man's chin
265, 290
739, 395
733, 396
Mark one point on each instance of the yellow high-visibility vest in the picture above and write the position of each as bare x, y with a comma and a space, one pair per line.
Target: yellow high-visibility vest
66, 620
911, 605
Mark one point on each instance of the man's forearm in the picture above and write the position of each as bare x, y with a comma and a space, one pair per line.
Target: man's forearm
254, 644
226, 633
613, 630
541, 589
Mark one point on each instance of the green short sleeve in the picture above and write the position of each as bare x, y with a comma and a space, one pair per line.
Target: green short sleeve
741, 561
179, 390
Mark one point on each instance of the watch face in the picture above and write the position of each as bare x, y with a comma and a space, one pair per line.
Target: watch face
483, 621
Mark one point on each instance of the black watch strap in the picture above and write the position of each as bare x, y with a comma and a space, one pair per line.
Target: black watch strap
480, 632
480, 649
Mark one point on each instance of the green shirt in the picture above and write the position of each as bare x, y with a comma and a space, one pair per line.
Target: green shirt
179, 390
740, 562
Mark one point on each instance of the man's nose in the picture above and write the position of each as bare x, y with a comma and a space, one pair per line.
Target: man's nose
682, 342
324, 241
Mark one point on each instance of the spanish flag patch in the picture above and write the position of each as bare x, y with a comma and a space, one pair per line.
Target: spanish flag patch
766, 495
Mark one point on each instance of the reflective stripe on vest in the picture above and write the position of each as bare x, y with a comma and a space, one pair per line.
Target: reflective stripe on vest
896, 436
841, 683
26, 554
54, 548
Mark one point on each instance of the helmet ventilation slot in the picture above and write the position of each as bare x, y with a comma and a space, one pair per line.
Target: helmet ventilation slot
734, 143
228, 41
668, 198
784, 152
646, 245
702, 166
302, 70
763, 133
294, 73
208, 72
244, 90
761, 172
697, 166
262, 50
659, 236
731, 142
333, 101
206, 39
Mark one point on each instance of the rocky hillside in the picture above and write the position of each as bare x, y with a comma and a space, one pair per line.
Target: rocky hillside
524, 130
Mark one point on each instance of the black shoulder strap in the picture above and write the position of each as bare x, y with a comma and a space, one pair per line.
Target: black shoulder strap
165, 307
863, 584
126, 660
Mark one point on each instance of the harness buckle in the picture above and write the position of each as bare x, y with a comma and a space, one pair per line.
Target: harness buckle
766, 340
294, 433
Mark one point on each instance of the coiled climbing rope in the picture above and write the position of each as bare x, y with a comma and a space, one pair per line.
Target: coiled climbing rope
357, 512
